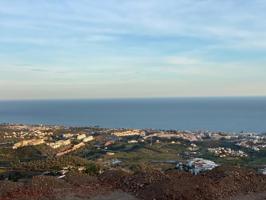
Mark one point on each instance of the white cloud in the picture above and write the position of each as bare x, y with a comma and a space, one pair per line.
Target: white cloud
181, 60
124, 41
216, 20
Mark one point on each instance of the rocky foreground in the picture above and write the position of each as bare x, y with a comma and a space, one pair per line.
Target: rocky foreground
220, 183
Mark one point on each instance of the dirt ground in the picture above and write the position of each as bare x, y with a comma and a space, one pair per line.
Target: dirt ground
116, 195
120, 195
253, 196
223, 183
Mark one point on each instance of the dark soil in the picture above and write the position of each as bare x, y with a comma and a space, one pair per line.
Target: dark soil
221, 183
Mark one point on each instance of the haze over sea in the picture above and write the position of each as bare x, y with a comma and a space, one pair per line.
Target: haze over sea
232, 114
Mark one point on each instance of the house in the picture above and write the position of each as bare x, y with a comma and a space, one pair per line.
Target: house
110, 153
75, 147
81, 136
129, 133
197, 165
24, 143
67, 135
132, 142
108, 143
88, 139
59, 143
262, 171
115, 162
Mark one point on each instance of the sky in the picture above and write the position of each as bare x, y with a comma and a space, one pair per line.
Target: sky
65, 49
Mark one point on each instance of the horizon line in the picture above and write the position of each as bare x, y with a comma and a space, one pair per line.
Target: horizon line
131, 98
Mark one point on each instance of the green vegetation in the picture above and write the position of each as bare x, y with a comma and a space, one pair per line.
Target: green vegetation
108, 151
2, 170
56, 163
92, 169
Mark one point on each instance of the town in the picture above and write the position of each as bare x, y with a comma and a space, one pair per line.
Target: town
109, 142
27, 151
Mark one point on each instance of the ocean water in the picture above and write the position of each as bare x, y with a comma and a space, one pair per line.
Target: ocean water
216, 114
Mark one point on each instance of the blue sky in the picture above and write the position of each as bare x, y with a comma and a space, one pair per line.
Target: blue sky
123, 48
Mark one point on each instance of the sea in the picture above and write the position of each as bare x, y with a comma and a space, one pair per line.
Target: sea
229, 114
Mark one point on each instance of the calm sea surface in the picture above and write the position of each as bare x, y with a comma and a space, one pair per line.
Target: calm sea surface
225, 114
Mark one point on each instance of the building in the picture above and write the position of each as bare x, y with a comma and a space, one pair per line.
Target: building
129, 133
262, 171
197, 165
227, 152
67, 135
75, 147
81, 136
24, 143
132, 142
59, 143
88, 139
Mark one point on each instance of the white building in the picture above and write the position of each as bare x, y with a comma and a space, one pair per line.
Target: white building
59, 143
81, 136
129, 133
198, 165
88, 139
